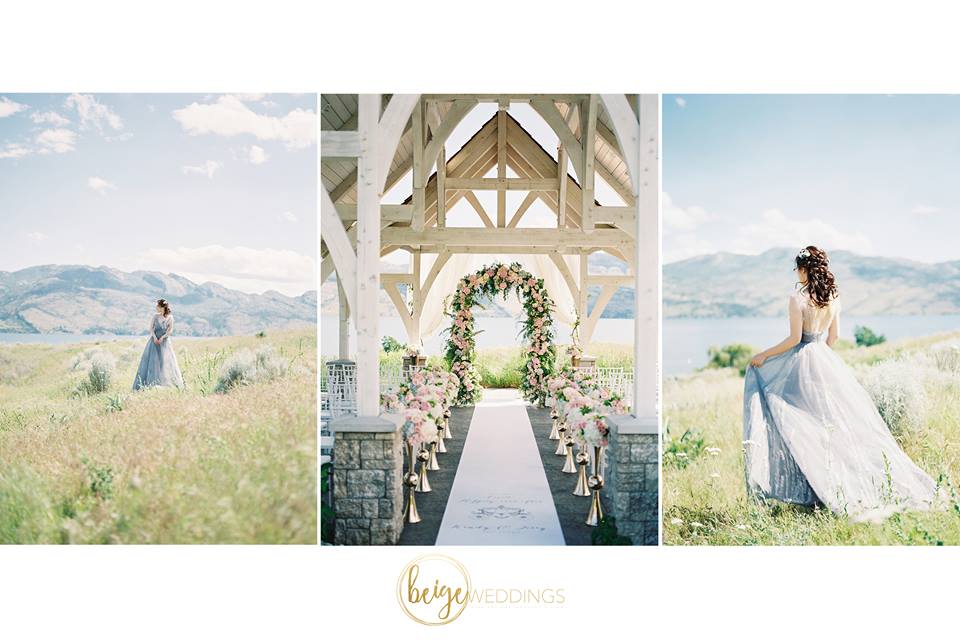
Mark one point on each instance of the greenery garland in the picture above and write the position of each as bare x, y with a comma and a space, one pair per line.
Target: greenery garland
537, 332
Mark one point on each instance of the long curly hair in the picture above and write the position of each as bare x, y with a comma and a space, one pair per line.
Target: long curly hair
821, 286
163, 304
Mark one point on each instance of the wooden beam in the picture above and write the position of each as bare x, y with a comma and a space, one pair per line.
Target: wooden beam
522, 209
513, 238
365, 312
457, 112
501, 166
390, 129
441, 260
589, 138
388, 212
564, 270
646, 401
509, 184
475, 203
589, 324
562, 191
339, 144
551, 115
625, 126
442, 188
503, 97
619, 281
339, 246
419, 179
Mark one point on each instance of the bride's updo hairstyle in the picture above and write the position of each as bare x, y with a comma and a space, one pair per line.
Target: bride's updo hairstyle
820, 281
163, 304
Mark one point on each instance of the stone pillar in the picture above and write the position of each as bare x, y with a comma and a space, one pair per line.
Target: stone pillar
367, 486
632, 478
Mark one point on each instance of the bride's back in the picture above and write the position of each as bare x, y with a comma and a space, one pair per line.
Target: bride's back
815, 319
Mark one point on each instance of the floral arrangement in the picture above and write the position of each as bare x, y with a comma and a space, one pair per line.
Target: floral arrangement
390, 402
411, 352
537, 332
583, 405
424, 399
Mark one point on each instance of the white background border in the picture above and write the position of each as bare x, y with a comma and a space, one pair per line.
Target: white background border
303, 592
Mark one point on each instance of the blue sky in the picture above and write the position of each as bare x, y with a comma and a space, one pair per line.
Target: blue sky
213, 187
871, 173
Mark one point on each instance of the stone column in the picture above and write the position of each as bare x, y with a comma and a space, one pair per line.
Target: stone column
367, 486
632, 481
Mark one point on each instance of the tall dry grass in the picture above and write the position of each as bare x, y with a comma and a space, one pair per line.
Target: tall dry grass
704, 500
161, 465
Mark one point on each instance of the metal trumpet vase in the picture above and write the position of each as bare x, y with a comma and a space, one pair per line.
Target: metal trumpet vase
554, 434
423, 483
434, 465
595, 484
441, 448
447, 430
569, 466
583, 459
561, 442
410, 513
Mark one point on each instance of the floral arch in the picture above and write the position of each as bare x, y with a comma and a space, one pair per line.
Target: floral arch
540, 362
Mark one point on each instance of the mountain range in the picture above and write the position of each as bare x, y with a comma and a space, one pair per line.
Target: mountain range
93, 300
727, 285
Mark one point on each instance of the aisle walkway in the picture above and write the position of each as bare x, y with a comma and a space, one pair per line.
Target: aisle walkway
500, 494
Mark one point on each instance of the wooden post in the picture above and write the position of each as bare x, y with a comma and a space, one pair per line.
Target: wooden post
646, 355
442, 188
417, 302
502, 165
366, 311
582, 301
562, 189
343, 331
419, 170
589, 129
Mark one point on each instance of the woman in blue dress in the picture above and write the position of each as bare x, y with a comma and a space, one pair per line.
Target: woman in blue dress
158, 364
812, 434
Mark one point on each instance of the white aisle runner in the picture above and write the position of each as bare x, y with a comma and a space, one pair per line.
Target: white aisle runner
500, 494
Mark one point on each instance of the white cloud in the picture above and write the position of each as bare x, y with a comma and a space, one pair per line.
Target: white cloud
256, 155
289, 216
100, 185
229, 116
774, 229
208, 168
679, 218
14, 150
242, 268
8, 107
49, 117
681, 102
56, 140
93, 113
250, 97
36, 236
922, 209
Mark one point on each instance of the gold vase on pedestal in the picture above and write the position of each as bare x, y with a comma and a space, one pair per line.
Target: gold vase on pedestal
434, 465
561, 443
410, 479
595, 484
554, 434
569, 466
583, 459
447, 431
441, 448
423, 483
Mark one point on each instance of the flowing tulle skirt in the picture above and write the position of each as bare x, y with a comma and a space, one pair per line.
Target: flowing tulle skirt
158, 367
813, 435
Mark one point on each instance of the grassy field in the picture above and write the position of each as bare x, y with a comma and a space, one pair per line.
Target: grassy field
704, 500
501, 367
161, 465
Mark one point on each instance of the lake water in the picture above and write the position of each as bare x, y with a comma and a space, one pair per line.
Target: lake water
685, 340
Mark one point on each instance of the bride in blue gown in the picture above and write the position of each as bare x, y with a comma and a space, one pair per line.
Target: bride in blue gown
158, 364
812, 435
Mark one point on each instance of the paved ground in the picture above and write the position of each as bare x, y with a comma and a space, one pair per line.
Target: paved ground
431, 505
571, 509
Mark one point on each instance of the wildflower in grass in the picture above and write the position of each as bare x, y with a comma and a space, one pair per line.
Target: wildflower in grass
696, 525
676, 521
715, 476
713, 451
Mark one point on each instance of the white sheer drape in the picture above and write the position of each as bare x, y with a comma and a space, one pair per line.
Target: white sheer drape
432, 317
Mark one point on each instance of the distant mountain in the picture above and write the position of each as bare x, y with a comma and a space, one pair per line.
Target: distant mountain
80, 299
727, 284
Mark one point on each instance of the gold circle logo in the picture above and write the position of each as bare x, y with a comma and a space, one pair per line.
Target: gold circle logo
433, 589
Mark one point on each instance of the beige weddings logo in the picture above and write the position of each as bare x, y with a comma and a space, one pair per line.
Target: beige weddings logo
435, 589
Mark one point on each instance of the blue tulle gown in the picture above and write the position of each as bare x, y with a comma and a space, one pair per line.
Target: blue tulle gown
812, 434
158, 364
